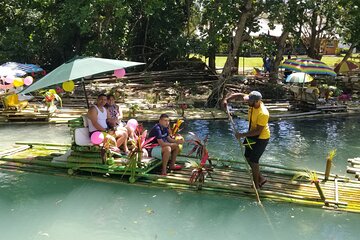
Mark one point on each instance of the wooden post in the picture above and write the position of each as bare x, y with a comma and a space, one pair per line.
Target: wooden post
328, 168
321, 193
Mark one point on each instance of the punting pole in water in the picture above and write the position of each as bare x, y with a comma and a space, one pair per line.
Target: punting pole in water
251, 178
242, 153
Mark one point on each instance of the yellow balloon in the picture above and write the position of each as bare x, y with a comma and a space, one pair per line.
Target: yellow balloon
18, 82
68, 86
52, 91
178, 137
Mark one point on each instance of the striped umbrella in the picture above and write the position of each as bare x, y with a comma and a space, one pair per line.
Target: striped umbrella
28, 68
345, 67
307, 65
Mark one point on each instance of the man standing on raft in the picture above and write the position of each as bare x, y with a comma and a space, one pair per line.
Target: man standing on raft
258, 134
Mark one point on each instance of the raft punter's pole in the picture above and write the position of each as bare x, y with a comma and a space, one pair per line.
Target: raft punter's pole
242, 153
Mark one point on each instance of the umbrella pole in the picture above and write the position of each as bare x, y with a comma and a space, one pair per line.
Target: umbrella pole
86, 96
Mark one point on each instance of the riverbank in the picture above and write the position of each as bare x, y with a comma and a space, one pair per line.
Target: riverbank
179, 93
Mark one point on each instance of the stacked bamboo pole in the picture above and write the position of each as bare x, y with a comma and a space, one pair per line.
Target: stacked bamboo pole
354, 167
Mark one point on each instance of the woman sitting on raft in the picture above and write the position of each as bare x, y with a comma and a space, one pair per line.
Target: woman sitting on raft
115, 123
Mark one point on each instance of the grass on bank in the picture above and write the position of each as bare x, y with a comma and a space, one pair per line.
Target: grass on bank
251, 62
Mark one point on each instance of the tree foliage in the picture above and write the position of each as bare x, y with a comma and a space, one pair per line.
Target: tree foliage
49, 32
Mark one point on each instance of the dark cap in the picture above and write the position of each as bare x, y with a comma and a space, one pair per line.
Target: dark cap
253, 96
164, 115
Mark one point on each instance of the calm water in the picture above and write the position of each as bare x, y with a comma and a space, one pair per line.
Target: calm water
36, 206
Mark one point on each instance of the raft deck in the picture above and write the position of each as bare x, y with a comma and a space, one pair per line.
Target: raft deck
227, 176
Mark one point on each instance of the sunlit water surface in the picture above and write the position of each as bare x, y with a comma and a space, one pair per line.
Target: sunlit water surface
34, 206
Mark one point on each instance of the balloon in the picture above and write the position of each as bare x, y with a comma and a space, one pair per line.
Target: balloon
97, 137
179, 137
28, 80
132, 123
52, 91
59, 90
119, 73
9, 79
68, 86
18, 82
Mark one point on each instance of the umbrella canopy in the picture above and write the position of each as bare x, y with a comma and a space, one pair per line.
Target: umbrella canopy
28, 68
6, 71
307, 65
299, 77
78, 68
345, 67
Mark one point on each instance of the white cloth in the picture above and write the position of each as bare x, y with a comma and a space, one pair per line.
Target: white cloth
101, 119
82, 137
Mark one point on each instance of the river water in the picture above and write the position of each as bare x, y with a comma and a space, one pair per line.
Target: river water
35, 206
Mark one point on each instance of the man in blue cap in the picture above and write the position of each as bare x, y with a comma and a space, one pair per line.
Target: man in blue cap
258, 134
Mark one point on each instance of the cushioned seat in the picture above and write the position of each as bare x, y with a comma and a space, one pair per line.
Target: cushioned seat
82, 137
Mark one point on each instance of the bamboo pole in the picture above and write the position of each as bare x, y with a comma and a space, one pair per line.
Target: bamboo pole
290, 170
246, 164
13, 150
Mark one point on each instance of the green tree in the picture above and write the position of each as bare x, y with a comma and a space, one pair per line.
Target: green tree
349, 25
286, 13
318, 21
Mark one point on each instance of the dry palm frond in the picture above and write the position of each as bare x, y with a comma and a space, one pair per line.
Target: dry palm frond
331, 155
310, 175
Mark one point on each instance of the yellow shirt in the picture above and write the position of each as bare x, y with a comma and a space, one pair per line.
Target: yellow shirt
260, 116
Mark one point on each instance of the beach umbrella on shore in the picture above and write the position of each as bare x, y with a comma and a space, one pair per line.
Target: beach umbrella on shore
77, 69
299, 77
345, 67
308, 65
6, 71
24, 67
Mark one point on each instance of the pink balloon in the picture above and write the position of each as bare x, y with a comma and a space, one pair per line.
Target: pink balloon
97, 138
28, 80
132, 123
119, 73
9, 79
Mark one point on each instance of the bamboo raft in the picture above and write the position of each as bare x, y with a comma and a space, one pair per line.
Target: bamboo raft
227, 176
354, 167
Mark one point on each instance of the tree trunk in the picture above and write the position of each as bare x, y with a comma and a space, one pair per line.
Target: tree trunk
348, 53
346, 57
218, 89
313, 50
212, 59
230, 61
274, 73
212, 48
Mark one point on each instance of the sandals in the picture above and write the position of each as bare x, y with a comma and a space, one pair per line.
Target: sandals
262, 183
176, 167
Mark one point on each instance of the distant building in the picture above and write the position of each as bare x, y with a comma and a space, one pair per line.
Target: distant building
329, 46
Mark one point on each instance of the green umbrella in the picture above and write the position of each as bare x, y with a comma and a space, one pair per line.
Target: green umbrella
77, 69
